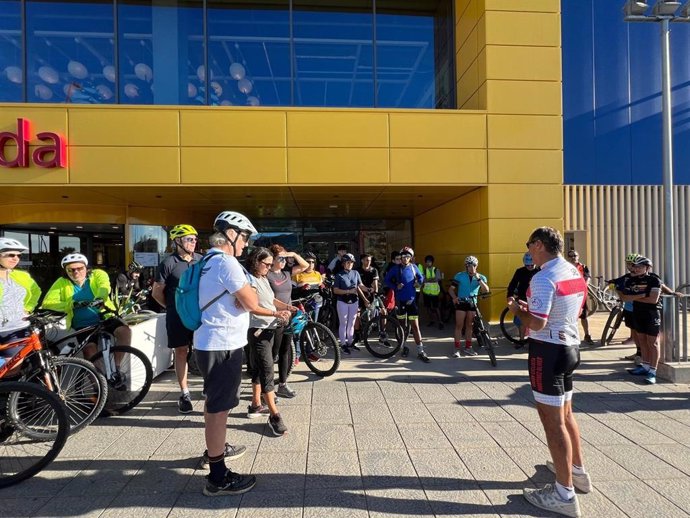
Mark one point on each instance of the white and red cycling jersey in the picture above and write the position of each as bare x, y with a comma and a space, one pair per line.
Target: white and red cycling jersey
556, 294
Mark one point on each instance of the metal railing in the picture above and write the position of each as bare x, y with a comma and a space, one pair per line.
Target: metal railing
674, 328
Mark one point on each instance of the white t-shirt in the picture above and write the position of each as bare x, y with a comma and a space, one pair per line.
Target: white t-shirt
223, 324
556, 294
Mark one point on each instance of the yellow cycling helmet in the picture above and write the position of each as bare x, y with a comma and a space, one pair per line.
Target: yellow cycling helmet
182, 230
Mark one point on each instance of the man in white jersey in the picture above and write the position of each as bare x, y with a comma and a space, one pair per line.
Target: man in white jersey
554, 301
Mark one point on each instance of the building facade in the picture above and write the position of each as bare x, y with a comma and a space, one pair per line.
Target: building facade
377, 123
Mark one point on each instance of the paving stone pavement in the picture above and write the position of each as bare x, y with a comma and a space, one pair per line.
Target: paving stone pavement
384, 438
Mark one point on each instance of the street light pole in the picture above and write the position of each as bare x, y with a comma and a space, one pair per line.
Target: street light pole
667, 152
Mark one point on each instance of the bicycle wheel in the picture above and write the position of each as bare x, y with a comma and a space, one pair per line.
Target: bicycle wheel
128, 372
25, 406
82, 389
612, 325
320, 349
610, 298
509, 328
484, 341
592, 304
383, 336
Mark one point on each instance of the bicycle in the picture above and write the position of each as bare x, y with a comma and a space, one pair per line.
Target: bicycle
28, 406
601, 295
127, 371
318, 345
480, 332
76, 382
510, 327
378, 326
613, 323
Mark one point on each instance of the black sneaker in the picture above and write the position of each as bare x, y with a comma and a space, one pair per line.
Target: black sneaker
277, 425
184, 405
422, 356
118, 381
254, 412
285, 391
346, 349
233, 484
405, 352
231, 453
355, 347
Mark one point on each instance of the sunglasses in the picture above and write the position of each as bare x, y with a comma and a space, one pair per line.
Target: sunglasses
405, 256
75, 270
268, 265
190, 239
281, 259
573, 256
246, 236
311, 261
10, 255
531, 242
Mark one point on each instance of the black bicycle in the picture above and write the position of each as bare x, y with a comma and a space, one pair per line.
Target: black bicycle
382, 332
127, 371
318, 344
480, 331
613, 323
510, 327
29, 407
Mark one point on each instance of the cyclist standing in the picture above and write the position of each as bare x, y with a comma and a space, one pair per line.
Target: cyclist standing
517, 288
573, 257
184, 239
431, 290
554, 301
19, 293
347, 287
464, 287
402, 279
129, 280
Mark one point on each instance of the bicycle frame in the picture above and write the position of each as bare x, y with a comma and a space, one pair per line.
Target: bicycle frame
31, 347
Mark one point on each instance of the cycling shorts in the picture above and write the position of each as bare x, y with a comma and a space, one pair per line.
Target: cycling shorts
551, 368
407, 310
629, 319
464, 305
647, 321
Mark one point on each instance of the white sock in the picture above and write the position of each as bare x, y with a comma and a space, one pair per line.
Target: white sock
578, 470
185, 392
566, 493
420, 348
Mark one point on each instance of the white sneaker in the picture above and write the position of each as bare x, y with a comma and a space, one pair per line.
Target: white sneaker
581, 482
547, 498
456, 354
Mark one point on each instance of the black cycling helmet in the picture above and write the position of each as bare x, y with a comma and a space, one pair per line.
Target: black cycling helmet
310, 255
135, 267
429, 258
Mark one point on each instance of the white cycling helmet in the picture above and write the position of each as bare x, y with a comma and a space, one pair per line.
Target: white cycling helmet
7, 243
74, 258
407, 250
229, 219
471, 260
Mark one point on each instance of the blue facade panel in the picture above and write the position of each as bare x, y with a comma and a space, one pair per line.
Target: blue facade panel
612, 96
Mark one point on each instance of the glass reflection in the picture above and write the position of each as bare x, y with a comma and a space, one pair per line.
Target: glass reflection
333, 53
11, 76
161, 49
69, 47
249, 53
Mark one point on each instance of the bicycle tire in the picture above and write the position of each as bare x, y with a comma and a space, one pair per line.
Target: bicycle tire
320, 349
484, 341
138, 376
372, 340
327, 316
592, 303
82, 389
40, 453
509, 329
613, 322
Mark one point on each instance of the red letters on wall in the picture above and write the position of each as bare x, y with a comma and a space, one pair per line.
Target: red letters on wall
52, 154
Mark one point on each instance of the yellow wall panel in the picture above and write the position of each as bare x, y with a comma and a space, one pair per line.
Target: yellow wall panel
525, 166
521, 28
339, 166
546, 6
510, 235
33, 175
467, 21
467, 53
525, 132
524, 97
42, 119
535, 201
233, 165
468, 83
234, 128
523, 63
62, 213
428, 166
438, 130
462, 210
123, 165
502, 268
123, 127
337, 129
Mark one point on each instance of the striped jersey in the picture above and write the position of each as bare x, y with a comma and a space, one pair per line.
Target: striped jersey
556, 294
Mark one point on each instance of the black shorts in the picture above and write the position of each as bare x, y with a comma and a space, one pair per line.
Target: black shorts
430, 301
407, 310
109, 325
464, 305
178, 334
647, 321
260, 359
551, 368
629, 319
222, 373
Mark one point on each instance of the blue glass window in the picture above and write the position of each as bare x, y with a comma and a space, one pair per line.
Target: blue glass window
11, 76
333, 53
249, 53
161, 52
70, 51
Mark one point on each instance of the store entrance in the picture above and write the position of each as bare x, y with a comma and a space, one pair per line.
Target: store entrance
102, 244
